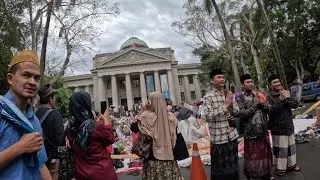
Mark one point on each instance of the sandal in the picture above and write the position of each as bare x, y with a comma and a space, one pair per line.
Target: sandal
296, 168
280, 173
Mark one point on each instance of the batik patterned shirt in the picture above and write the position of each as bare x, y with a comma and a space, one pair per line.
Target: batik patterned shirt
254, 116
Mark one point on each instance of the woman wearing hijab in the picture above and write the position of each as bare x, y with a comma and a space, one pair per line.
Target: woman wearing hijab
89, 140
156, 123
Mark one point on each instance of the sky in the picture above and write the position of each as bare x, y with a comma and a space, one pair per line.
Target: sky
150, 21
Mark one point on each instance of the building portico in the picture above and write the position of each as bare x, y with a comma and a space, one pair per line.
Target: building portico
127, 77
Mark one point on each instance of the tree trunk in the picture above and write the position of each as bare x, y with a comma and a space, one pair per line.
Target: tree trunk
243, 65
229, 47
299, 89
274, 44
38, 33
300, 78
32, 29
44, 43
258, 67
64, 66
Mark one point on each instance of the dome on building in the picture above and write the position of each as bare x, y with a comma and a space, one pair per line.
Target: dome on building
133, 41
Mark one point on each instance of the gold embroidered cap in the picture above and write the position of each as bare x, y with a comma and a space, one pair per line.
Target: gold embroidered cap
25, 56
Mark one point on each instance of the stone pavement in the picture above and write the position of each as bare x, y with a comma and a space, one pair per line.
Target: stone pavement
308, 156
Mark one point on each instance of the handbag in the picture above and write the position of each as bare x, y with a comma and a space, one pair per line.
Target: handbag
142, 146
180, 150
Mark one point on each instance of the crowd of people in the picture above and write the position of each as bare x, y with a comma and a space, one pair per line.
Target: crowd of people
38, 145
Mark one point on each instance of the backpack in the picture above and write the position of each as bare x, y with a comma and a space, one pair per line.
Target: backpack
66, 166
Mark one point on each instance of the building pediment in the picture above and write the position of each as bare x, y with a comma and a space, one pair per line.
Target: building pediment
133, 56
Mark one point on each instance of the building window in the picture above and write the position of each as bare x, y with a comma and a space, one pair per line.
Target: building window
72, 89
81, 89
193, 95
108, 84
180, 80
182, 96
135, 83
122, 84
190, 79
91, 90
203, 92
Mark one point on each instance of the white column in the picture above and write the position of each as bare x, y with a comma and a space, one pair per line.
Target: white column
198, 91
76, 89
96, 94
143, 88
114, 90
86, 89
186, 88
176, 85
101, 92
171, 87
157, 81
101, 89
129, 93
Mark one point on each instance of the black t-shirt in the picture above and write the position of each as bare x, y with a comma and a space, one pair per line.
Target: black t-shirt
53, 131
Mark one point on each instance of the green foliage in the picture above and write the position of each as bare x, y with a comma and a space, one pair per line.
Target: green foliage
56, 84
10, 35
62, 96
297, 27
211, 59
5, 57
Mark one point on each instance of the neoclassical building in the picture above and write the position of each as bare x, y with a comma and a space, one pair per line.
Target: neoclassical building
128, 76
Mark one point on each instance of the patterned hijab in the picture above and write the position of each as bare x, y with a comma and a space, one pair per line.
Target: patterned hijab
82, 122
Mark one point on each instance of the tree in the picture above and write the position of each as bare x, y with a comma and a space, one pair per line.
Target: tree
50, 6
227, 38
211, 59
62, 98
274, 44
77, 27
65, 11
203, 28
297, 28
248, 37
11, 38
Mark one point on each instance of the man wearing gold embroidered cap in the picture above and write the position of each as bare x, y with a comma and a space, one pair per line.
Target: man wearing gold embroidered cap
25, 56
20, 129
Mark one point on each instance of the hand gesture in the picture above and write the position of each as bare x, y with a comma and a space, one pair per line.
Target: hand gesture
256, 100
106, 117
284, 94
262, 97
31, 142
229, 99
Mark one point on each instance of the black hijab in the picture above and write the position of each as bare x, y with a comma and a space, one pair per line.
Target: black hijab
184, 114
82, 122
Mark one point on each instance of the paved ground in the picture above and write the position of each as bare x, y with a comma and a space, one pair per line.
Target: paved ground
308, 159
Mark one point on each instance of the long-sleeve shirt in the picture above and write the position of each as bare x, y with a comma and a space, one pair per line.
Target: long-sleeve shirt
280, 115
216, 114
253, 116
95, 162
